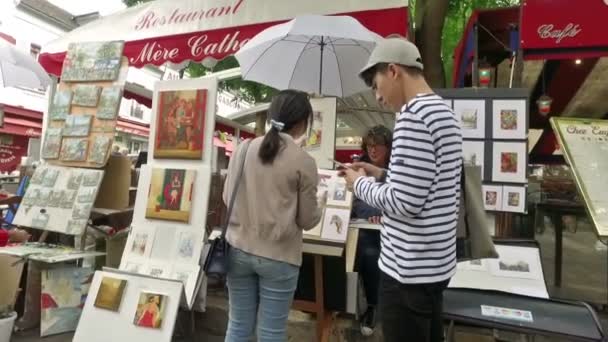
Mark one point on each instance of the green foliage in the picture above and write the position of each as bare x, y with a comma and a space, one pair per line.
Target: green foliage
131, 3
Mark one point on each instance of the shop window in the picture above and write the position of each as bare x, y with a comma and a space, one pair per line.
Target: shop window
135, 147
137, 111
118, 138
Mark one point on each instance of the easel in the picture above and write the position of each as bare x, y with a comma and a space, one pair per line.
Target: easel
325, 319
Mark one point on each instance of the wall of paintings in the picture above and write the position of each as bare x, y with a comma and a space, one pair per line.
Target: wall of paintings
495, 137
82, 114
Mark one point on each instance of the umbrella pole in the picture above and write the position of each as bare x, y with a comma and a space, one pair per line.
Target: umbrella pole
321, 66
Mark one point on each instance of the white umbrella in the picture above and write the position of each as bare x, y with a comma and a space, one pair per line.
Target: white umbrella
18, 69
312, 53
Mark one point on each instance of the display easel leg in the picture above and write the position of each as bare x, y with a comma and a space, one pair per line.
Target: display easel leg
559, 231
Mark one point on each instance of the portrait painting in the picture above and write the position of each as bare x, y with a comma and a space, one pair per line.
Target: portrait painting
86, 95
77, 126
180, 118
92, 61
74, 149
170, 196
110, 293
315, 130
63, 294
52, 143
60, 107
109, 102
150, 310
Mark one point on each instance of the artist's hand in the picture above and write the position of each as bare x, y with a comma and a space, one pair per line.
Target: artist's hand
374, 219
370, 170
351, 175
18, 235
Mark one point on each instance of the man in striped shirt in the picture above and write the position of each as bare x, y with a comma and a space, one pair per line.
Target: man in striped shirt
420, 197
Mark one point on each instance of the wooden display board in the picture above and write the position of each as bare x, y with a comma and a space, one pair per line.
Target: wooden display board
585, 146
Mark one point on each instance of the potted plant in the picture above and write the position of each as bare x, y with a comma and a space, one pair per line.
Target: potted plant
7, 321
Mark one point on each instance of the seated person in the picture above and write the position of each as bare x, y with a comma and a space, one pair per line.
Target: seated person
376, 148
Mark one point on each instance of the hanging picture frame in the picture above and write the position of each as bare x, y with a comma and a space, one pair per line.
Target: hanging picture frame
492, 197
472, 117
509, 162
509, 119
514, 199
473, 153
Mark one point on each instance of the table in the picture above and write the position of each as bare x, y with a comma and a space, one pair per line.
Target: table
556, 209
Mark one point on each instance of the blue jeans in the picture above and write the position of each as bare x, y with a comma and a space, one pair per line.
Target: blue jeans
256, 283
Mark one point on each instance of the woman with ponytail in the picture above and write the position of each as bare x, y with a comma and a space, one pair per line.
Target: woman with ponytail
276, 200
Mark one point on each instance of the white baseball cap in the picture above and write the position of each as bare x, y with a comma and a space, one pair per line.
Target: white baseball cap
394, 50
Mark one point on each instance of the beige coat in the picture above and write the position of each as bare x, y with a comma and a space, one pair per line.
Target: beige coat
274, 202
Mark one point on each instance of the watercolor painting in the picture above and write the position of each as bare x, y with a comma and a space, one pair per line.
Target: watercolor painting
67, 199
74, 149
38, 175
91, 178
335, 224
508, 162
92, 61
87, 195
74, 180
110, 293
150, 310
170, 196
50, 177
109, 102
185, 245
315, 131
140, 243
508, 119
86, 95
180, 118
76, 227
52, 143
60, 108
64, 292
513, 199
99, 150
156, 271
491, 198
55, 199
77, 126
469, 119
82, 211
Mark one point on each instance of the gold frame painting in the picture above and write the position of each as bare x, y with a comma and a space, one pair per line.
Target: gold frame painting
170, 194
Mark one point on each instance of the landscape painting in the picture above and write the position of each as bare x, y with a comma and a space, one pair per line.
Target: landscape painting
109, 102
52, 143
99, 149
170, 196
60, 107
74, 149
180, 118
64, 292
86, 95
77, 126
92, 61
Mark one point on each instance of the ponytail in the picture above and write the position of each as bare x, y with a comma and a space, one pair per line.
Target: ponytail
270, 146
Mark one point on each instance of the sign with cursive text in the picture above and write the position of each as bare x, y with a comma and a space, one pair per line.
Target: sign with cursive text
549, 31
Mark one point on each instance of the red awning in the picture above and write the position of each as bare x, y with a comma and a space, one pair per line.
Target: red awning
21, 127
132, 127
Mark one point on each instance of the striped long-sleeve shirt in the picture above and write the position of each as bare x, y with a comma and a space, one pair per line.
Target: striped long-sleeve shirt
420, 198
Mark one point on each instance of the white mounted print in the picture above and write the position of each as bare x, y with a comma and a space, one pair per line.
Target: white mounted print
509, 162
492, 197
335, 224
514, 199
472, 117
473, 153
509, 119
516, 262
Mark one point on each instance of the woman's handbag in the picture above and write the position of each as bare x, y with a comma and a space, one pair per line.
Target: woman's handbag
216, 262
473, 238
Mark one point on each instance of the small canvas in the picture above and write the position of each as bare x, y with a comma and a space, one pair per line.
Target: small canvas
110, 293
471, 115
64, 291
492, 197
509, 119
180, 119
474, 154
150, 310
509, 162
109, 103
335, 224
52, 143
99, 149
92, 61
77, 126
170, 196
74, 149
86, 95
60, 108
514, 199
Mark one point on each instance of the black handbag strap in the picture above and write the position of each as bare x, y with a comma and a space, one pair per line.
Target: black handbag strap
237, 181
463, 193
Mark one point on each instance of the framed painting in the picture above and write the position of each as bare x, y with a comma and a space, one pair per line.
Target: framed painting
339, 194
335, 224
170, 194
180, 124
74, 149
492, 197
52, 143
86, 95
62, 102
77, 126
92, 61
109, 102
509, 162
473, 153
150, 310
472, 117
110, 293
509, 119
514, 199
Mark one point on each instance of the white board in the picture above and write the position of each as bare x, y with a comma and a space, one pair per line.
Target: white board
99, 325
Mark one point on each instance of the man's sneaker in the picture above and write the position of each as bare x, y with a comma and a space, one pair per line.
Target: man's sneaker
368, 322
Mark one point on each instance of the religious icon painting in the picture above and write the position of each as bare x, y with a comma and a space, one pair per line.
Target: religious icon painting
52, 143
109, 103
150, 310
62, 101
77, 126
86, 95
170, 196
509, 119
99, 149
509, 162
74, 149
92, 61
110, 293
335, 224
180, 118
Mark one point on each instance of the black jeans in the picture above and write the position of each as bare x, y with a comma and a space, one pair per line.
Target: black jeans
411, 312
368, 252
